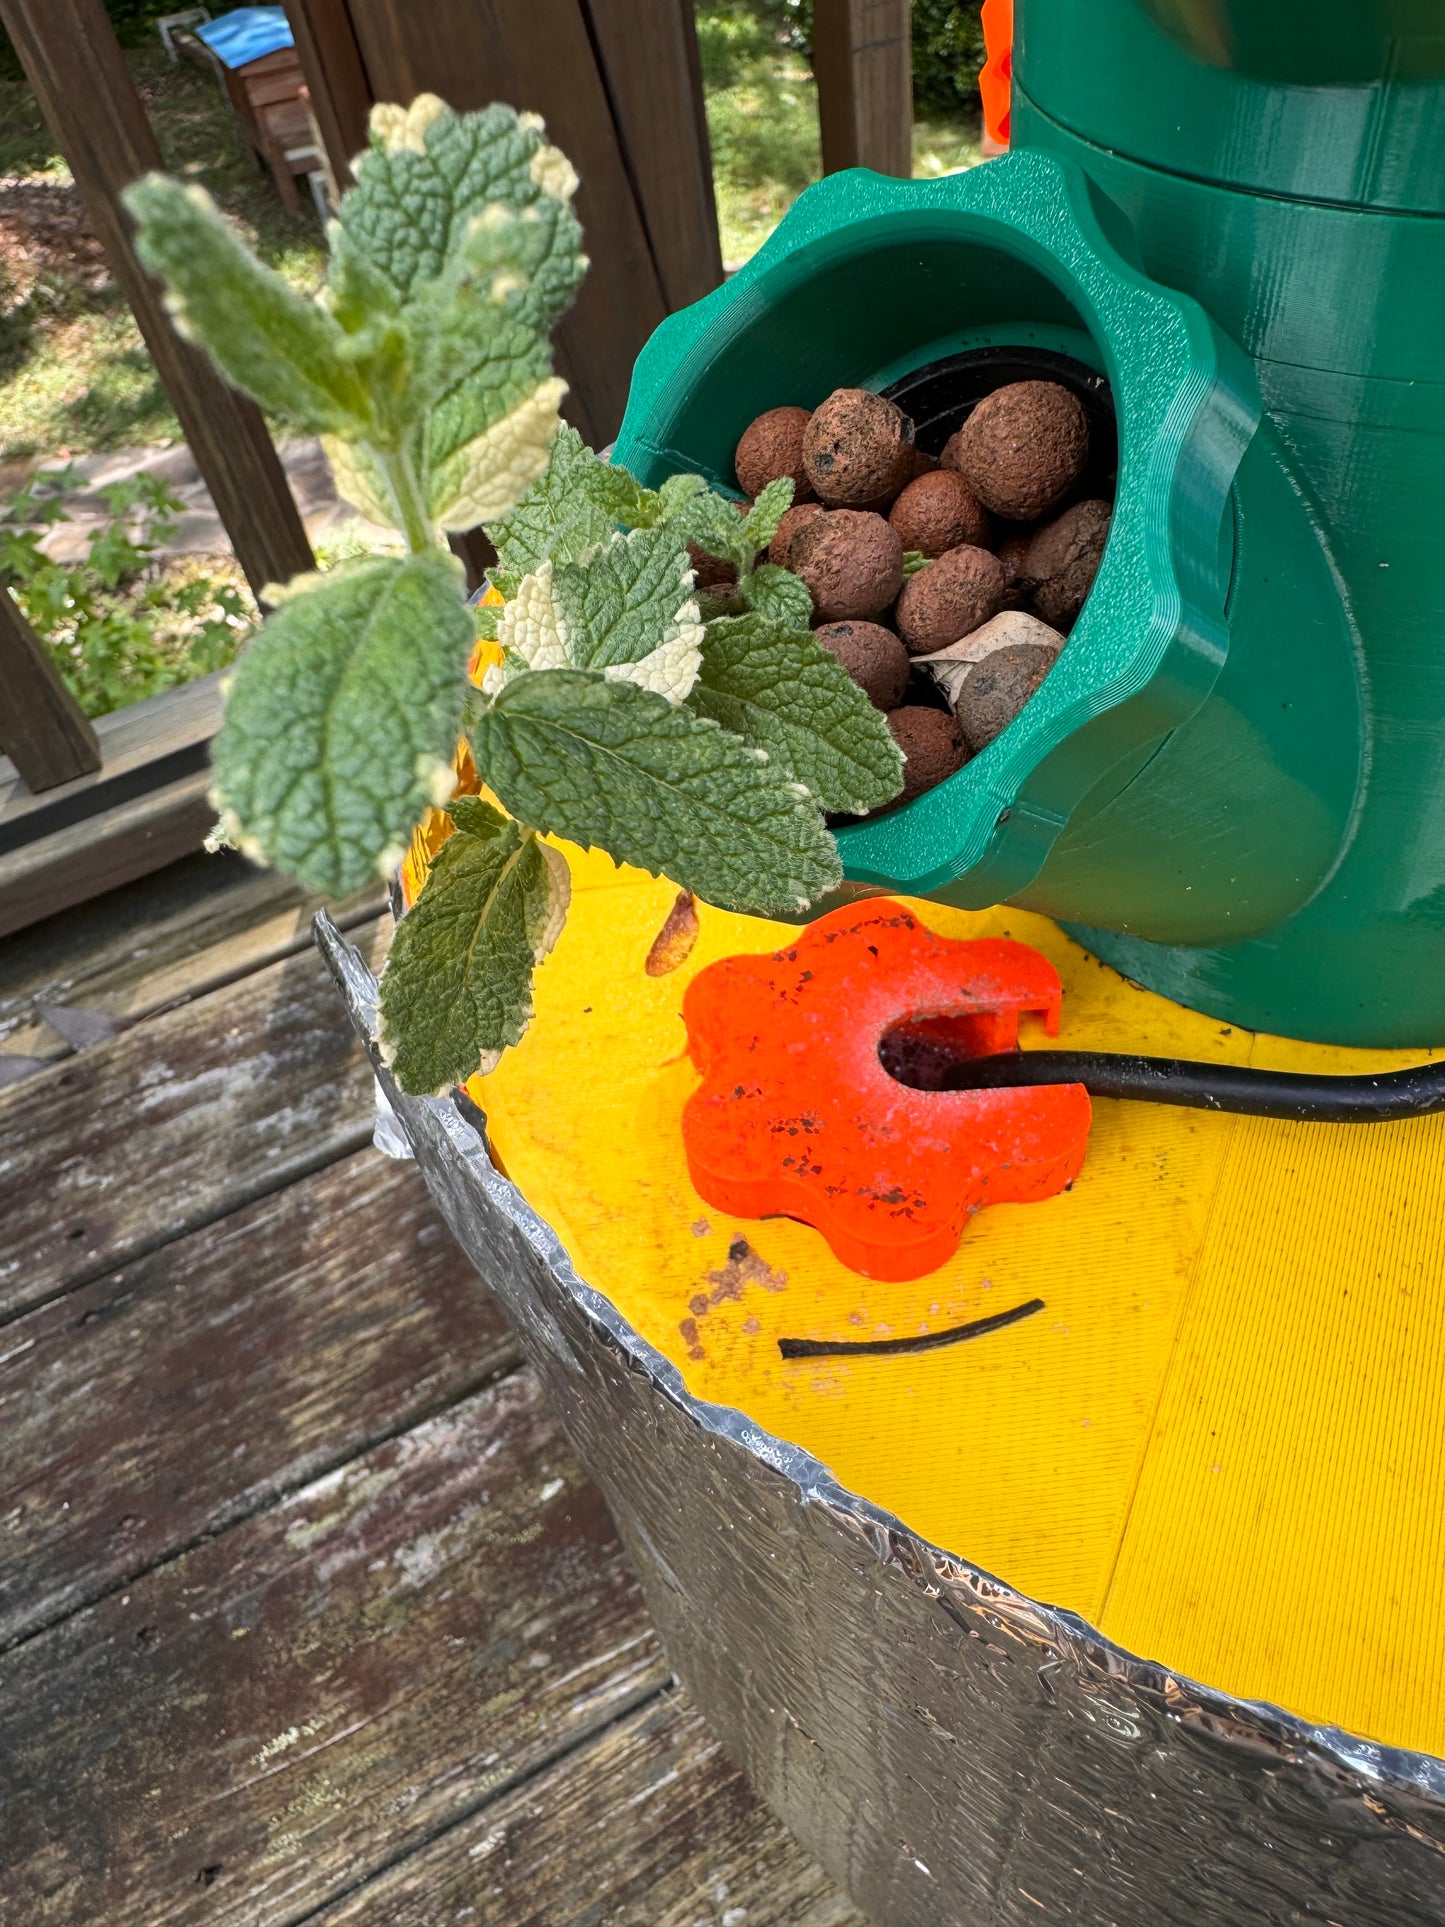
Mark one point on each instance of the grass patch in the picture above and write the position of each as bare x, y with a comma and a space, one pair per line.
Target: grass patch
75, 377
762, 112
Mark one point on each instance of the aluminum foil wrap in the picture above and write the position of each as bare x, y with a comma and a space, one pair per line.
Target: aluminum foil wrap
955, 1754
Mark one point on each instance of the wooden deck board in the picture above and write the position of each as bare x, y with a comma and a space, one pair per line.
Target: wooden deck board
647, 1827
252, 1727
183, 1391
311, 1616
195, 927
141, 1139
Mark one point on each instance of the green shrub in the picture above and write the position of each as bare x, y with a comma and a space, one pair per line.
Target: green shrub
120, 625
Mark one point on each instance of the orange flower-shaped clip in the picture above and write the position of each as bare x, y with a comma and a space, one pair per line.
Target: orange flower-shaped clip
797, 1117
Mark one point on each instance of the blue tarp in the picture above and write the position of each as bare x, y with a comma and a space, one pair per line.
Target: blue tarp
246, 34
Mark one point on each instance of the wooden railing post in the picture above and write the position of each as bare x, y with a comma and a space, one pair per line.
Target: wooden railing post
43, 729
862, 61
335, 78
74, 63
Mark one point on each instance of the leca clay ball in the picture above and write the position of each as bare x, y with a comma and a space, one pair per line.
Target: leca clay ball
852, 563
996, 689
955, 594
772, 446
938, 511
709, 570
1063, 559
933, 748
781, 548
858, 449
1022, 449
873, 657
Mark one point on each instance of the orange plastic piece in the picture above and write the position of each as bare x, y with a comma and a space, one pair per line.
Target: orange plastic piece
797, 1117
995, 83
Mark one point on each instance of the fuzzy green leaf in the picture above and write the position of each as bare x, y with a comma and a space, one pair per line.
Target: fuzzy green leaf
913, 561
427, 175
787, 695
267, 339
627, 600
457, 988
612, 766
769, 509
713, 522
559, 518
343, 716
780, 595
621, 495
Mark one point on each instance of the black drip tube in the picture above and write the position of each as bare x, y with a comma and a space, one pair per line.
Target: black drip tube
1379, 1097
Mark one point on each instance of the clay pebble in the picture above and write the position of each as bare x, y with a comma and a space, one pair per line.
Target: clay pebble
1022, 449
939, 511
996, 689
851, 562
952, 596
857, 449
794, 520
933, 748
1063, 559
873, 657
771, 447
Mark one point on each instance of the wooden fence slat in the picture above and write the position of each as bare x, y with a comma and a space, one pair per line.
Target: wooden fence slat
539, 56
647, 1827
862, 61
187, 1390
245, 1733
335, 79
648, 50
139, 1140
43, 729
74, 63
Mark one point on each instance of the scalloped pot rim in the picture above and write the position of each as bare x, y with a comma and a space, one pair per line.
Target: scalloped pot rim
1151, 641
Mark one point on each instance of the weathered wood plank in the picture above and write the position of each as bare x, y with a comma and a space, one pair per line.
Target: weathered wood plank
200, 923
657, 104
125, 841
250, 1730
74, 63
136, 1141
166, 729
188, 1389
862, 62
43, 729
647, 1827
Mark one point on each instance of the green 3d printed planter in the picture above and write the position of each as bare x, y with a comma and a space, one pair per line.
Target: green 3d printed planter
1226, 785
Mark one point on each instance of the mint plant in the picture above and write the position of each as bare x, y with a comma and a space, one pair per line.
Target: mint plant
700, 738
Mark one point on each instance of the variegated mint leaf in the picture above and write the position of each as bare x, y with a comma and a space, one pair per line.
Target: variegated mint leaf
785, 694
612, 766
713, 522
558, 519
780, 595
768, 510
457, 988
487, 474
343, 717
621, 495
677, 490
276, 344
427, 175
629, 599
